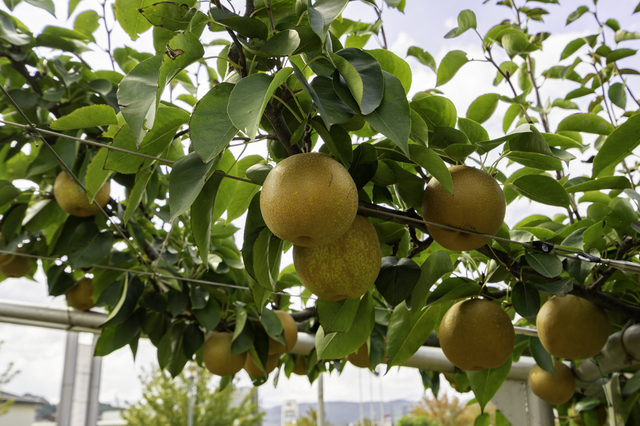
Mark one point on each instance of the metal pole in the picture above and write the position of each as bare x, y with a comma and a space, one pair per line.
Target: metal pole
381, 403
68, 379
320, 400
373, 420
94, 388
191, 398
361, 407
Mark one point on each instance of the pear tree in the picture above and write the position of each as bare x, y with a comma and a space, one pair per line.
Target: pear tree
188, 133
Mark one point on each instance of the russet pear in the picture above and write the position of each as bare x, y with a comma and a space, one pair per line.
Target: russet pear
216, 354
15, 266
73, 200
555, 388
309, 199
80, 296
477, 204
476, 334
345, 268
251, 367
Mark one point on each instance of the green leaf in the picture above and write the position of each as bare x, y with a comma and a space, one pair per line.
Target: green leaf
10, 34
131, 21
337, 317
526, 299
424, 57
134, 199
408, 330
515, 42
337, 140
210, 128
272, 325
202, 216
140, 91
560, 141
433, 164
432, 269
339, 345
266, 259
8, 192
113, 338
248, 27
283, 43
156, 141
187, 179
88, 246
249, 99
618, 54
466, 21
450, 65
47, 5
485, 383
622, 35
542, 189
364, 77
618, 95
436, 111
393, 64
545, 264
393, 118
210, 315
582, 184
131, 292
620, 144
540, 354
331, 107
572, 47
483, 107
482, 420
323, 13
577, 14
364, 165
475, 132
588, 123
86, 117
87, 23
453, 289
169, 15
397, 278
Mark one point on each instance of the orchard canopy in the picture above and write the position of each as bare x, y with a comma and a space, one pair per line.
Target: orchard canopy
192, 129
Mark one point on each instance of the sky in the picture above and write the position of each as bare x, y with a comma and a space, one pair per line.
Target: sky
38, 353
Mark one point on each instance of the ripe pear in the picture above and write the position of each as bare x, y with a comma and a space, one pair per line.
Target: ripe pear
345, 268
80, 296
74, 200
15, 266
216, 354
572, 327
555, 388
290, 334
251, 367
477, 204
476, 334
309, 199
300, 368
360, 358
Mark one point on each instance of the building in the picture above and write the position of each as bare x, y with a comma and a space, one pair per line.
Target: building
23, 410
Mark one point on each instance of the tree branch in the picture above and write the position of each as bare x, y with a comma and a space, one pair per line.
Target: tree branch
281, 129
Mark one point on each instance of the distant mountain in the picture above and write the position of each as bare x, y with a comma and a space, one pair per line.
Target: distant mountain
343, 413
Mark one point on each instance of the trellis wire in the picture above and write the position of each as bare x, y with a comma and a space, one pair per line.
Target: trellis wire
543, 247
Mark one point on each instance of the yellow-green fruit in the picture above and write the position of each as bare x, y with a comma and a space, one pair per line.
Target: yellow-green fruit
309, 199
476, 334
572, 327
216, 354
73, 200
251, 367
14, 266
477, 204
555, 389
300, 368
360, 358
345, 268
80, 296
290, 334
